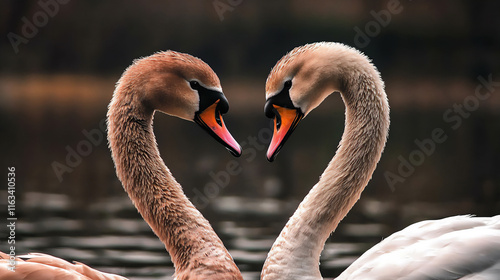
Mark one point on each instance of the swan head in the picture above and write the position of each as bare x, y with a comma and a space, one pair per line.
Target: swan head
298, 83
184, 86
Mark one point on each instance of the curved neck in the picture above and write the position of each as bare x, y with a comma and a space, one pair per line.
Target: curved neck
192, 243
366, 125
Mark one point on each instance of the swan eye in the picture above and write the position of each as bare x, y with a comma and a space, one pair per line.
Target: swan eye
194, 85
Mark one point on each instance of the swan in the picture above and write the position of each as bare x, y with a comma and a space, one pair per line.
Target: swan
461, 247
180, 85
36, 266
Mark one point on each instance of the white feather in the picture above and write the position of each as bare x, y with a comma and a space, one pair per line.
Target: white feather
460, 247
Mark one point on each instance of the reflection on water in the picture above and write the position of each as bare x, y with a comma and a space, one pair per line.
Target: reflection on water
112, 237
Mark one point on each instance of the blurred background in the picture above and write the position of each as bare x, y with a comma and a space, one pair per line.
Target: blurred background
61, 59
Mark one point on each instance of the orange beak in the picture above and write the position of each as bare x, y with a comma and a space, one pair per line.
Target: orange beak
285, 121
211, 120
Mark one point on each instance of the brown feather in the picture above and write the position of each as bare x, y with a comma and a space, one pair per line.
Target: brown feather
154, 83
158, 82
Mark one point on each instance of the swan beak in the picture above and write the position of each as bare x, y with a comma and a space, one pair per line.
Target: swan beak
211, 120
285, 121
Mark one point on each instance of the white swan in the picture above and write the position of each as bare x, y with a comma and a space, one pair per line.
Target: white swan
454, 248
180, 85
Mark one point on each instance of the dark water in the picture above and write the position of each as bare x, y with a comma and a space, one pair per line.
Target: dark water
109, 235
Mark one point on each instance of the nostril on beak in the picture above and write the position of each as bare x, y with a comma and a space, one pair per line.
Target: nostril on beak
278, 120
217, 117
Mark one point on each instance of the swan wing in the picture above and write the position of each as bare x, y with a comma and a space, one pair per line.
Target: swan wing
37, 266
460, 247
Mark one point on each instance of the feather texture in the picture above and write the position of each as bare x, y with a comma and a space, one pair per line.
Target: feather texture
460, 247
161, 82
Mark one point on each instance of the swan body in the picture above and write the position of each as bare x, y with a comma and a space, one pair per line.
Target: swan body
297, 84
179, 85
42, 266
459, 247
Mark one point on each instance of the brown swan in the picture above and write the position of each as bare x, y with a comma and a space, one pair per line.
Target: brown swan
179, 85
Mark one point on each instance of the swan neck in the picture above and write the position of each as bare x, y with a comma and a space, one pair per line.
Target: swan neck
359, 151
366, 125
188, 237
